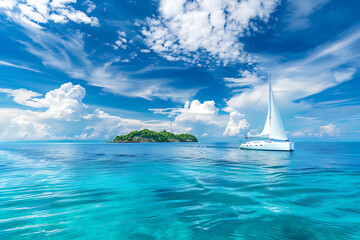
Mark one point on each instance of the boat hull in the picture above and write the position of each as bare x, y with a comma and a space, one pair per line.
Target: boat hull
268, 146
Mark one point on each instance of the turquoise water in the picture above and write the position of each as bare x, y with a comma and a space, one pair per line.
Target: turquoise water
178, 191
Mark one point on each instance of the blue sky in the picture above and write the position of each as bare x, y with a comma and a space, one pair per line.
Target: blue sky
89, 70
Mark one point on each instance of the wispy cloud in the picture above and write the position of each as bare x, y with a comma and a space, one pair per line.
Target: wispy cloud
306, 118
324, 67
18, 66
246, 79
69, 56
90, 6
300, 10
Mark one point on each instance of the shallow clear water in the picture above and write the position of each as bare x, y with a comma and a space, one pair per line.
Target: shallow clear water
178, 191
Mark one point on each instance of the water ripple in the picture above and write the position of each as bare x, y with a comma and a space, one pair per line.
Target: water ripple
178, 191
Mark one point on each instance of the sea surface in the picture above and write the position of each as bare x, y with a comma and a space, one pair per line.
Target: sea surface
178, 191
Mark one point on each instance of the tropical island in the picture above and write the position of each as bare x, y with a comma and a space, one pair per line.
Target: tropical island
148, 136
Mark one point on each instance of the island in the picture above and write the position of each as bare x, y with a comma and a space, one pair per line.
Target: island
148, 136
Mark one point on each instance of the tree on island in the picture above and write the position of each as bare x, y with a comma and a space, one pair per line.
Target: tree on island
147, 135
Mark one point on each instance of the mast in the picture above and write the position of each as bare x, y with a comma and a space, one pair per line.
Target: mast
273, 129
269, 106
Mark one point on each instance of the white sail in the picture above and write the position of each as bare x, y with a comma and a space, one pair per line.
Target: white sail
273, 128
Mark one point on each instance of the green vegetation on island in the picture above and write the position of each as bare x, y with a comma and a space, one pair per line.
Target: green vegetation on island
147, 136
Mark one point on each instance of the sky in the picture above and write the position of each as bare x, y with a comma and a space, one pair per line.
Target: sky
85, 70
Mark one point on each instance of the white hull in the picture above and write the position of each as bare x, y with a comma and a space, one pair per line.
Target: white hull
267, 145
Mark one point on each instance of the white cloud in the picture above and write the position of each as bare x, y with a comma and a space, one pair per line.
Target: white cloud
160, 125
62, 115
21, 96
198, 112
62, 103
304, 133
36, 13
65, 116
204, 119
344, 74
191, 112
7, 4
306, 118
330, 130
91, 6
195, 116
247, 79
237, 123
186, 30
167, 111
18, 66
298, 134
121, 42
300, 10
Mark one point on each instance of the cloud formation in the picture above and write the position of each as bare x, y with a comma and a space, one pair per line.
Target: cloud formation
121, 42
323, 67
90, 6
36, 13
188, 30
193, 111
61, 115
237, 124
246, 79
198, 112
205, 119
67, 52
330, 130
69, 56
21, 96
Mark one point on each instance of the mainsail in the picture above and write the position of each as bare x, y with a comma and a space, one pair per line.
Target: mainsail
273, 128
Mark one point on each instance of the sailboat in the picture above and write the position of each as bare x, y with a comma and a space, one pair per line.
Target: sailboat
274, 135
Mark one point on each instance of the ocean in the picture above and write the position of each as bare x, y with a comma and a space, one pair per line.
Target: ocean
179, 191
